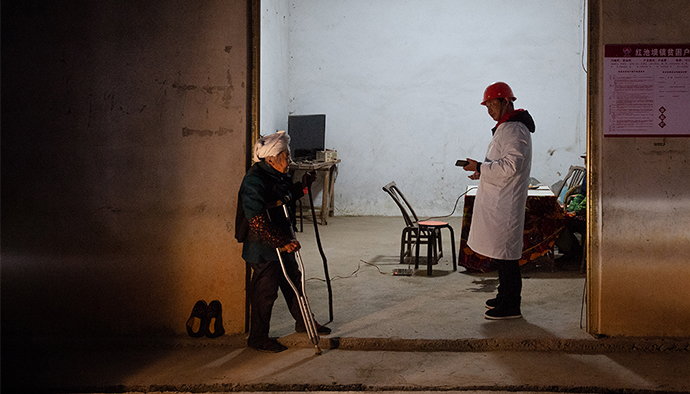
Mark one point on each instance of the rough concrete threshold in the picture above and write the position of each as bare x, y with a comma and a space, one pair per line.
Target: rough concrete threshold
579, 346
297, 340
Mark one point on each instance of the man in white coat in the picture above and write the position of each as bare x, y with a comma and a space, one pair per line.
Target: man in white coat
498, 218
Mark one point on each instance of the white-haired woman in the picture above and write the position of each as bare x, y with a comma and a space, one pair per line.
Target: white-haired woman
265, 186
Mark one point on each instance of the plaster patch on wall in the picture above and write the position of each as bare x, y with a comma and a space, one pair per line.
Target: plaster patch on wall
182, 86
186, 132
211, 89
228, 92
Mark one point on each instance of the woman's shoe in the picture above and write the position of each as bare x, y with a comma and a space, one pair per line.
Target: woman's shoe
215, 320
199, 314
322, 330
270, 346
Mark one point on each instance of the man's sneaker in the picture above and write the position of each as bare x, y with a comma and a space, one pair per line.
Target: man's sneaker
503, 313
492, 303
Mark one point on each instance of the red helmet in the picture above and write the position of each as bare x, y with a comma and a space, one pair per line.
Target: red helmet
498, 90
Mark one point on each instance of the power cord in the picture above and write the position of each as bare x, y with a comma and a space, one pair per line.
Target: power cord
455, 206
359, 265
354, 273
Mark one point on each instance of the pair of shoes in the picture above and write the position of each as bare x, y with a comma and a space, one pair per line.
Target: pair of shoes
271, 345
503, 312
206, 316
323, 330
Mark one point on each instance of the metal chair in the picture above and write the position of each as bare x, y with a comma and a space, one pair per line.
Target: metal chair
427, 232
573, 179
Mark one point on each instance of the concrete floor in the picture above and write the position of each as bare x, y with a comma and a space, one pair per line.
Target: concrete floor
370, 302
392, 333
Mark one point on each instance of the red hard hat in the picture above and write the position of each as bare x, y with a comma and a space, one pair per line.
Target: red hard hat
498, 90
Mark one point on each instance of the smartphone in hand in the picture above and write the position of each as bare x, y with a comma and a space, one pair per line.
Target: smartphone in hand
461, 163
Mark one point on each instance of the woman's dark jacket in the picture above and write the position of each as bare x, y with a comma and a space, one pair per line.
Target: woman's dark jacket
262, 194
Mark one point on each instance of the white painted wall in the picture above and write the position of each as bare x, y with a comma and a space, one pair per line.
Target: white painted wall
275, 66
400, 83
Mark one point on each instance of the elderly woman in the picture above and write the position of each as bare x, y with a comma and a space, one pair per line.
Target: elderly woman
264, 188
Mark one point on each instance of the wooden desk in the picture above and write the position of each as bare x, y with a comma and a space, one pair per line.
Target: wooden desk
329, 169
544, 221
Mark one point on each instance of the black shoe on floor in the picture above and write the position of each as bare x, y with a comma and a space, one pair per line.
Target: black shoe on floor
215, 320
322, 330
492, 303
503, 313
198, 317
270, 345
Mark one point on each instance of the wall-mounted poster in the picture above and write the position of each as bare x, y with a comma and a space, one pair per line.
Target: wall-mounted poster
647, 90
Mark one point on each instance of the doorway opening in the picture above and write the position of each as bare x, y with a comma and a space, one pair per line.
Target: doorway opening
405, 83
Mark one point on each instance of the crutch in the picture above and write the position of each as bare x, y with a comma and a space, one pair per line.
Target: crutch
301, 297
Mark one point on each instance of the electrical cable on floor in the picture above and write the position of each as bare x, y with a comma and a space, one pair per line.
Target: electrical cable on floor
353, 274
582, 307
359, 266
584, 34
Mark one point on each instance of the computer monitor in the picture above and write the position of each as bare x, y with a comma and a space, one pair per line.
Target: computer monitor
307, 135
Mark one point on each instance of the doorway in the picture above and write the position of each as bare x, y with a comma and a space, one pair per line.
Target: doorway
405, 82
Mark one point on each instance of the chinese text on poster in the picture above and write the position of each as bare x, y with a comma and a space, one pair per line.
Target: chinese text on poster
647, 90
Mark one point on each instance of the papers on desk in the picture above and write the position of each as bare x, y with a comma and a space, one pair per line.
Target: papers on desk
540, 191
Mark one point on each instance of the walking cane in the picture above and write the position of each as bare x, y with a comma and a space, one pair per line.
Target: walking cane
301, 296
323, 257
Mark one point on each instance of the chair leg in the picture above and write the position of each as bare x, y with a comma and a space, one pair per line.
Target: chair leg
452, 245
430, 250
403, 242
440, 243
416, 253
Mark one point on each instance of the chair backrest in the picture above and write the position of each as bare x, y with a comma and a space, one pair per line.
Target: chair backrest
407, 212
573, 178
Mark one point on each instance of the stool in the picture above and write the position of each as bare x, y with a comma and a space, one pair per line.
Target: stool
434, 243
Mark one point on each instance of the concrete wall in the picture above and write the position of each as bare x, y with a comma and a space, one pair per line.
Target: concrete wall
640, 186
123, 129
400, 83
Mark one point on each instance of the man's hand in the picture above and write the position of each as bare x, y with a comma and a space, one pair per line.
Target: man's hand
291, 247
471, 165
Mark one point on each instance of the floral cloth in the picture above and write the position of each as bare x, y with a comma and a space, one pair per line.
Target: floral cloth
544, 221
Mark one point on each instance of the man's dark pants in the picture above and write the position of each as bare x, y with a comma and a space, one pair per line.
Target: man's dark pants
509, 282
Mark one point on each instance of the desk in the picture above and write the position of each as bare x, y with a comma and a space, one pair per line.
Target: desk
329, 168
544, 221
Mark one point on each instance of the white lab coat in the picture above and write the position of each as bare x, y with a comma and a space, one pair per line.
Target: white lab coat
498, 218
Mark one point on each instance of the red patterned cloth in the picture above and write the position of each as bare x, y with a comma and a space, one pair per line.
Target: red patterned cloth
544, 222
268, 232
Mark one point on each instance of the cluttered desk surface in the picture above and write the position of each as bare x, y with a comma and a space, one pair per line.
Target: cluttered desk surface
313, 165
329, 169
